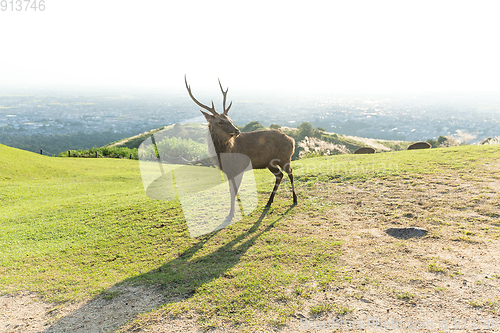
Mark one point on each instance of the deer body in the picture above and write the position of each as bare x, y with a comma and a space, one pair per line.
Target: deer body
270, 149
261, 147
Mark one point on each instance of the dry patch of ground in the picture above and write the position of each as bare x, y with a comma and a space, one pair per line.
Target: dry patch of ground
451, 275
26, 312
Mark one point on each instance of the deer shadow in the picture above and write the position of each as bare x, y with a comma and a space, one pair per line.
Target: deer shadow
178, 279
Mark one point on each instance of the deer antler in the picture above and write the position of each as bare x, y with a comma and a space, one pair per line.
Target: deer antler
211, 109
224, 93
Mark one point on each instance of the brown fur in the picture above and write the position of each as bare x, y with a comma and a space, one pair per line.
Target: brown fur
261, 147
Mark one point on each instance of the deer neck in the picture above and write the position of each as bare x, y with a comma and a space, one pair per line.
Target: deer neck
217, 145
220, 145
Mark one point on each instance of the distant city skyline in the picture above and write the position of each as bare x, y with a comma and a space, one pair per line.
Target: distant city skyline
262, 46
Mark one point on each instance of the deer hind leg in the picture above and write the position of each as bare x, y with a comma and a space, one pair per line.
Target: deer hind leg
288, 170
279, 176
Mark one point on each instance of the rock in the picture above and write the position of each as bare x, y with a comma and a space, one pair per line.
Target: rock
419, 145
405, 233
365, 150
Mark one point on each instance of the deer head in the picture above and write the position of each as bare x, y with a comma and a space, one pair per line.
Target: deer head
219, 124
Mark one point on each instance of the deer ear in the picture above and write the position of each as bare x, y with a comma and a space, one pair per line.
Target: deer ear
208, 117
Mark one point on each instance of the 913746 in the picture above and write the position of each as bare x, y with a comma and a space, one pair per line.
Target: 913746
22, 5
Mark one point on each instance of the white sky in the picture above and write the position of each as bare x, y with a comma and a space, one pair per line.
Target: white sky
254, 45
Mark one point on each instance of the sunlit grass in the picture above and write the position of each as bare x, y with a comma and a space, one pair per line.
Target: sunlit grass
72, 228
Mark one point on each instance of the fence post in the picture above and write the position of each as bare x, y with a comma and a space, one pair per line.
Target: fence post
130, 156
95, 154
69, 153
41, 151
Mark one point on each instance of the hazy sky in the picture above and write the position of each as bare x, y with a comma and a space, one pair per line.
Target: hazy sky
254, 45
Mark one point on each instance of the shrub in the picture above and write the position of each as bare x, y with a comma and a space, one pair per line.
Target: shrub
312, 147
252, 126
461, 138
113, 152
177, 147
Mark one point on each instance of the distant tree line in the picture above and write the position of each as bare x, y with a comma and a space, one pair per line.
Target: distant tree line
110, 152
437, 143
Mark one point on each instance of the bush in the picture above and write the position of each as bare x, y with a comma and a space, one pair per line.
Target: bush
252, 126
433, 143
177, 147
305, 130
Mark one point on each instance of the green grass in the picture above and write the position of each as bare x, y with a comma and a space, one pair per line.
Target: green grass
434, 267
71, 229
406, 296
329, 307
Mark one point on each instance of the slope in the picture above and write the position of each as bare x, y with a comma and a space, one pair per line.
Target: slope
86, 233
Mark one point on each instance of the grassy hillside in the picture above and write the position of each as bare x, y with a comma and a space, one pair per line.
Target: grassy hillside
73, 229
56, 212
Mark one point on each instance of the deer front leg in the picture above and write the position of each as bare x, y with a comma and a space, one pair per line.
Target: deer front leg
232, 191
234, 185
288, 170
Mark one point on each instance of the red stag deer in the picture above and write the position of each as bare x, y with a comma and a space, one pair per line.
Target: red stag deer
265, 149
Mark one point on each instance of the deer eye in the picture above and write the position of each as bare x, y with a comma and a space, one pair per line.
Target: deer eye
221, 122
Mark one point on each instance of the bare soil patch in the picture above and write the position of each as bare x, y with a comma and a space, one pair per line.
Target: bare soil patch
26, 312
451, 274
